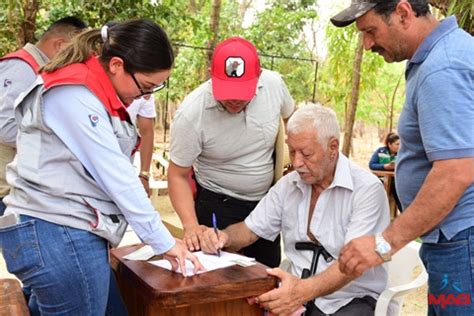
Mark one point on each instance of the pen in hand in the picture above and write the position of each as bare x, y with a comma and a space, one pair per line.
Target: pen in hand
214, 224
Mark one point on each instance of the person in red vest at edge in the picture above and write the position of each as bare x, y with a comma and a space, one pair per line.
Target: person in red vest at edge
18, 70
73, 187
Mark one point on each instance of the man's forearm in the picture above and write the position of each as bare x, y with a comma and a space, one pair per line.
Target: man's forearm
181, 198
324, 283
442, 189
145, 126
240, 236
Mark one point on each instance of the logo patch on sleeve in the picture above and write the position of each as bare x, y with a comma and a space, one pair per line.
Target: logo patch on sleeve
7, 82
94, 119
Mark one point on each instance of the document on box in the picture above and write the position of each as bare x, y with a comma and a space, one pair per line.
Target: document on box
210, 262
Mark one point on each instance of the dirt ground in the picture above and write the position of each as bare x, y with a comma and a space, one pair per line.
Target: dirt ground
415, 304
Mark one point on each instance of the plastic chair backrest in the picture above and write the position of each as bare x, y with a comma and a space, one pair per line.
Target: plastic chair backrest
404, 262
406, 273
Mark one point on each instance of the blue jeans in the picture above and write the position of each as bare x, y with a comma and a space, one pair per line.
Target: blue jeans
66, 269
450, 266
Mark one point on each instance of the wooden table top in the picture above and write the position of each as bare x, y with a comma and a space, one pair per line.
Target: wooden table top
12, 299
170, 289
382, 173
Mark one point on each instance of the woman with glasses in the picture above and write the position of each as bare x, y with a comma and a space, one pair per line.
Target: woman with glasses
73, 186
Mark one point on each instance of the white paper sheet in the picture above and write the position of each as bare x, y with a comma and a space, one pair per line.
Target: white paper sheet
210, 262
143, 254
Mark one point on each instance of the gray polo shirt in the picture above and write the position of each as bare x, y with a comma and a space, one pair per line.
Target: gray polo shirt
231, 153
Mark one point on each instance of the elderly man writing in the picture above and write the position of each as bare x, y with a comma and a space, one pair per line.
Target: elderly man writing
327, 200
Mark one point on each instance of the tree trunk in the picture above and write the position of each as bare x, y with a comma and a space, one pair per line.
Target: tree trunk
392, 102
192, 6
352, 108
243, 7
22, 20
215, 17
26, 32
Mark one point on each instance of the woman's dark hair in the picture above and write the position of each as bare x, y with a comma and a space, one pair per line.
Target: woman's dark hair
391, 138
142, 44
385, 8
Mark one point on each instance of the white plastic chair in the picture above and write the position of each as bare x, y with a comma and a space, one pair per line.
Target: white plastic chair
401, 280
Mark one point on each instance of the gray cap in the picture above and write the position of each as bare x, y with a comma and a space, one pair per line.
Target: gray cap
357, 9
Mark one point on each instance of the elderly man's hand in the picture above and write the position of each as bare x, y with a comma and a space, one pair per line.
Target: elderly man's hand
211, 242
358, 256
192, 237
288, 297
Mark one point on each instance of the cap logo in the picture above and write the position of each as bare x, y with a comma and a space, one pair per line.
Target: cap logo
234, 67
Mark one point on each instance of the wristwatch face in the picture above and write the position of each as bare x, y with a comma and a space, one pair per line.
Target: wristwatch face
383, 248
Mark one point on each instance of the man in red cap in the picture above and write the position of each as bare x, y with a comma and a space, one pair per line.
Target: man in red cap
226, 130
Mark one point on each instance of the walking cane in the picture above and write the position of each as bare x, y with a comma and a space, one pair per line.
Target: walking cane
306, 273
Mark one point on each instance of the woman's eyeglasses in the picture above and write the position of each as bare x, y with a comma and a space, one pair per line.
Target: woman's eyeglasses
143, 92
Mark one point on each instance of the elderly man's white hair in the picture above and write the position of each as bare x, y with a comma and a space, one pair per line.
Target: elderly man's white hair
322, 119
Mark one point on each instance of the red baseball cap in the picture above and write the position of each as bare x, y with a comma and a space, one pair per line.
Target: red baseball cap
235, 70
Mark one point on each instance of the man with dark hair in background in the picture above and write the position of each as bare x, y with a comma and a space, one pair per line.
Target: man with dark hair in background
435, 164
18, 71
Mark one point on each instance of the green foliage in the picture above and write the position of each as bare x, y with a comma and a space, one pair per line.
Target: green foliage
282, 38
276, 31
377, 86
7, 40
464, 10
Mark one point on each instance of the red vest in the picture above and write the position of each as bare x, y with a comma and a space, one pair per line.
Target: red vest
92, 75
25, 56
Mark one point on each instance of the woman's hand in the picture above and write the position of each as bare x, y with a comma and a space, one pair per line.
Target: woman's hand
177, 256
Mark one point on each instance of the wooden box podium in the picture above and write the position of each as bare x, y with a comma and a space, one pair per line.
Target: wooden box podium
150, 290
